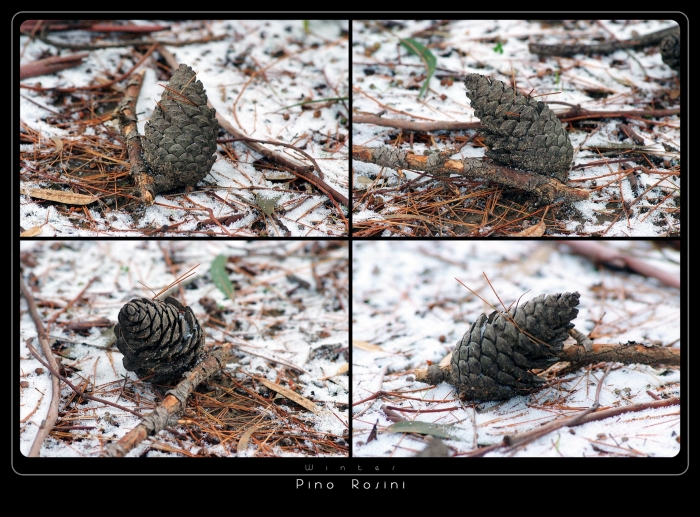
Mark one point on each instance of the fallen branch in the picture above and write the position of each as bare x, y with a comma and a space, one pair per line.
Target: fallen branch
648, 40
100, 86
126, 43
601, 254
584, 417
629, 353
548, 189
77, 390
573, 113
578, 356
410, 125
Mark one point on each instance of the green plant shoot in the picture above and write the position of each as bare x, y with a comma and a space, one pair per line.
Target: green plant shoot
428, 58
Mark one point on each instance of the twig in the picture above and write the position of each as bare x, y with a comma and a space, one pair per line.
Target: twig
77, 390
530, 436
574, 113
318, 182
52, 414
127, 43
578, 356
53, 318
101, 86
174, 402
629, 353
411, 125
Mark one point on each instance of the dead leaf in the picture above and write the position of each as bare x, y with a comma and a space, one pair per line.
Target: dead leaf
58, 142
243, 442
291, 395
536, 230
364, 345
340, 371
31, 232
60, 196
451, 432
445, 361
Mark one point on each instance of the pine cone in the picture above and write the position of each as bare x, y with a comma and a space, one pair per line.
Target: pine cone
520, 131
670, 48
180, 138
159, 339
493, 359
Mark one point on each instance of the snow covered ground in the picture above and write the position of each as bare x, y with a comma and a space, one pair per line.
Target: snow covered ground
410, 309
263, 76
388, 79
288, 322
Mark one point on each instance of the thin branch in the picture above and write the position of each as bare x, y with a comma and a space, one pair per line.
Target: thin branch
580, 419
410, 125
52, 414
530, 436
574, 113
127, 43
584, 354
53, 318
50, 65
318, 182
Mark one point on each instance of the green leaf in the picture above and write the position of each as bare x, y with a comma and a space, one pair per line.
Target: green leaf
220, 277
439, 430
498, 48
428, 58
267, 203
